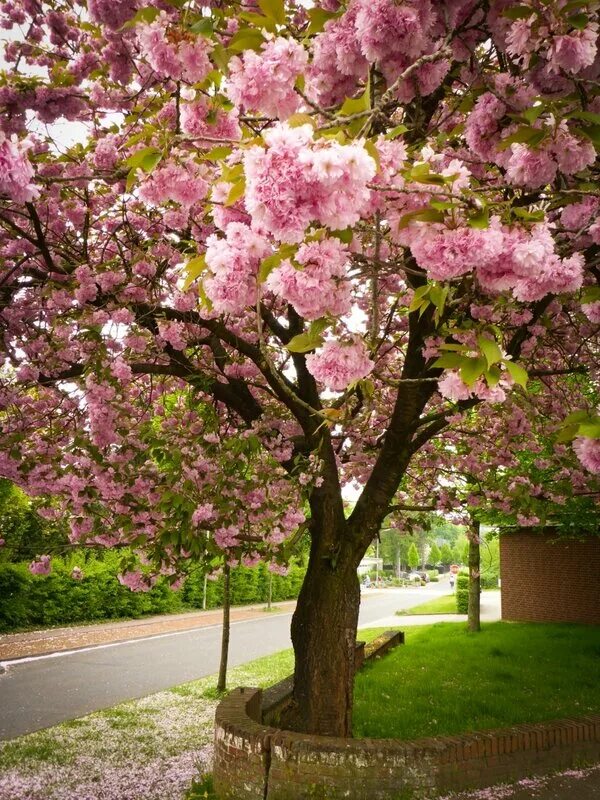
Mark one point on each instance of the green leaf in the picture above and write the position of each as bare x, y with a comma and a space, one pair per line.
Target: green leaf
131, 179
246, 39
268, 264
356, 105
586, 116
480, 219
576, 417
204, 27
217, 153
301, 119
318, 17
525, 134
578, 21
471, 370
530, 216
449, 361
517, 12
490, 350
260, 20
138, 158
531, 114
426, 215
150, 161
273, 9
148, 14
344, 236
373, 152
395, 132
304, 343
194, 268
492, 376
567, 433
591, 132
318, 326
590, 429
236, 191
518, 374
590, 294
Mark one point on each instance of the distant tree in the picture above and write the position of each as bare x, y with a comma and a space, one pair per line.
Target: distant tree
446, 554
413, 557
435, 555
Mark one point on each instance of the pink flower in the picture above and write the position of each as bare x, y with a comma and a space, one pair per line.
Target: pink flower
338, 364
264, 81
203, 513
319, 288
16, 171
184, 60
296, 180
182, 183
588, 452
40, 566
592, 311
531, 168
77, 574
136, 580
277, 569
574, 51
452, 387
233, 262
112, 13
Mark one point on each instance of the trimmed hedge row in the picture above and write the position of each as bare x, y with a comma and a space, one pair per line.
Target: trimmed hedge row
28, 600
248, 585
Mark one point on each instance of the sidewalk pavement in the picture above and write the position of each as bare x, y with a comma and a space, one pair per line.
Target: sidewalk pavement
54, 640
490, 612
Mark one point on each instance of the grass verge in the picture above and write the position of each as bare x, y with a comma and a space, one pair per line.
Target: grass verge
448, 681
439, 605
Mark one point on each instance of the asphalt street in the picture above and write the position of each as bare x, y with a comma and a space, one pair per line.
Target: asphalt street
42, 691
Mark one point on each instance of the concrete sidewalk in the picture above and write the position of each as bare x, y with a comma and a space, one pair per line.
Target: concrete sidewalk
54, 640
490, 612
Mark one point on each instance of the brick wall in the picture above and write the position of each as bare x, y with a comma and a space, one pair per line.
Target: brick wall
550, 580
257, 762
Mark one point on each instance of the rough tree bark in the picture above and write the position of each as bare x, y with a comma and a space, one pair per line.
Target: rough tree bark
474, 610
222, 681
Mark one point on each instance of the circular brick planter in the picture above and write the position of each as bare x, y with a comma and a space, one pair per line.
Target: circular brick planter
255, 760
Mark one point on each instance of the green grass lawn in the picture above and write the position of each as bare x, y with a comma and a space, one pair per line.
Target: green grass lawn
439, 605
445, 680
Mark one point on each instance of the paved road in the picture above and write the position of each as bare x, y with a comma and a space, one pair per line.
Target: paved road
43, 691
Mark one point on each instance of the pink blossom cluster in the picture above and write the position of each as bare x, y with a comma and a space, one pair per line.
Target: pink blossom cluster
504, 258
112, 13
526, 263
588, 452
296, 180
452, 387
549, 34
181, 183
390, 34
178, 60
535, 167
16, 170
136, 580
317, 284
338, 364
40, 566
264, 81
233, 262
198, 119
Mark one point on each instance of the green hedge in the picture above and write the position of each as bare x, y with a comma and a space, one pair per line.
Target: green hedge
462, 601
248, 585
28, 600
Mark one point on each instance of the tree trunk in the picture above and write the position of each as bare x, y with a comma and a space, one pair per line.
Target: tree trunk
222, 681
474, 612
324, 638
